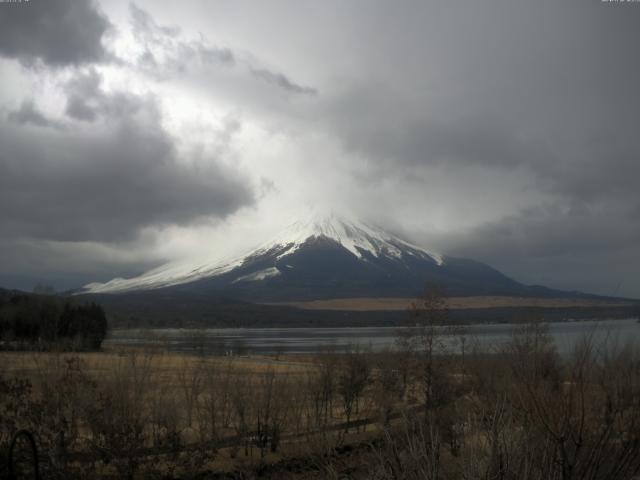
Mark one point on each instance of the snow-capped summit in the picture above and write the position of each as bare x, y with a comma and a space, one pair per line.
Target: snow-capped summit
357, 237
322, 256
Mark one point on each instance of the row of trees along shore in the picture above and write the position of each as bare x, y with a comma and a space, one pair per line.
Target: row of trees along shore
29, 321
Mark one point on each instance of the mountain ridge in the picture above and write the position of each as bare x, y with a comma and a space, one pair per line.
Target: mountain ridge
328, 256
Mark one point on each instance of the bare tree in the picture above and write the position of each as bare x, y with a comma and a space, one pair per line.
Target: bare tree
388, 389
215, 407
423, 341
119, 413
190, 377
354, 376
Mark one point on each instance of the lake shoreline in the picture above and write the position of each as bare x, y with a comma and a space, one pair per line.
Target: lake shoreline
234, 341
257, 316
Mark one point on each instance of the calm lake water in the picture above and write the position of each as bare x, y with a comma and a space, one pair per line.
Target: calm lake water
312, 340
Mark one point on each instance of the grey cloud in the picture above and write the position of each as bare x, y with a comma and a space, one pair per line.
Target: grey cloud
179, 54
592, 249
83, 96
550, 231
389, 131
556, 97
86, 100
282, 81
78, 108
546, 92
57, 32
28, 113
108, 182
592, 168
66, 265
145, 25
178, 51
209, 54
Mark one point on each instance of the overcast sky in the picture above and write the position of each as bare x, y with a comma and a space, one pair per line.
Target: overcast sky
136, 133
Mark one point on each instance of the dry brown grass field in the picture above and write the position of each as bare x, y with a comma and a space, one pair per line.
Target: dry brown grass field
522, 412
395, 304
224, 413
165, 365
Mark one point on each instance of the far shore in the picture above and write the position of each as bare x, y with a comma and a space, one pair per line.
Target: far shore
454, 303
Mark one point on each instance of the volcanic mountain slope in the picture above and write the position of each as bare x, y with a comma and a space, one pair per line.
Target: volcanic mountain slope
327, 257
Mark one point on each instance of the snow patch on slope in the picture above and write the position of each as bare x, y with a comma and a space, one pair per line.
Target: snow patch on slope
260, 275
173, 273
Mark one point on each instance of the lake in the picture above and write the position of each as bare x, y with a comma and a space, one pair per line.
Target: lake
312, 340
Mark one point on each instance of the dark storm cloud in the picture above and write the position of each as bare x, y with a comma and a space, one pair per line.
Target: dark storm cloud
594, 250
546, 92
58, 32
28, 113
387, 129
27, 262
551, 231
84, 97
106, 184
86, 100
548, 86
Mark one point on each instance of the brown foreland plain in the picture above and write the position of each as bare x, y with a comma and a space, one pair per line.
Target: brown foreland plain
413, 412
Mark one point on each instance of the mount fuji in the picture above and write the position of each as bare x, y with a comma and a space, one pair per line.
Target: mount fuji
325, 257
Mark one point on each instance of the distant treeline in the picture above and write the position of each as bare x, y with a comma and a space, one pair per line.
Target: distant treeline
41, 321
159, 309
